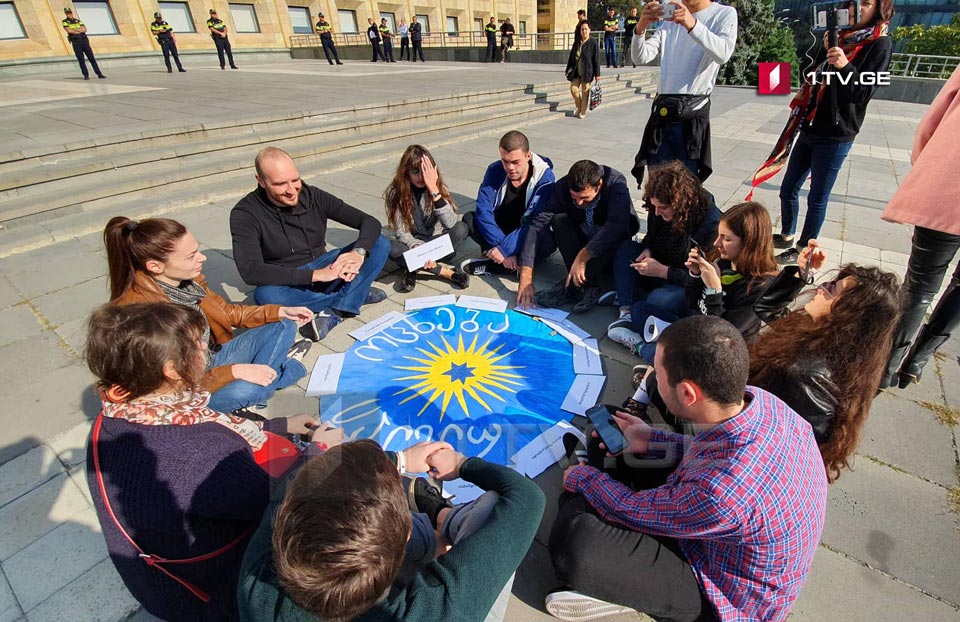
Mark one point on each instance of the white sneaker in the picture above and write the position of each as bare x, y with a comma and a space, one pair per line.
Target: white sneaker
625, 336
574, 607
619, 321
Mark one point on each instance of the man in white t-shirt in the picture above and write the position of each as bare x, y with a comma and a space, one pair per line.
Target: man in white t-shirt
694, 39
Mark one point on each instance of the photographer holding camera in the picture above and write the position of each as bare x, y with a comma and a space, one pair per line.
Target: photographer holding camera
695, 38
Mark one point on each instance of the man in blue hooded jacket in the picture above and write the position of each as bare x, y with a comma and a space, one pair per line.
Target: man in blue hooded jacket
514, 190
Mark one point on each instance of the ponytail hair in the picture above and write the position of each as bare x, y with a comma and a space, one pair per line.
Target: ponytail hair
131, 244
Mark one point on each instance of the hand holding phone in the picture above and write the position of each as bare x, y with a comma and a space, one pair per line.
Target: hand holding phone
601, 416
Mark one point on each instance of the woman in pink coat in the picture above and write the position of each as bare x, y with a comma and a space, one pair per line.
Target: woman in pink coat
928, 199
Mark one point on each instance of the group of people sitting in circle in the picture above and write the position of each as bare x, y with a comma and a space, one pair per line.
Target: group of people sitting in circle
713, 512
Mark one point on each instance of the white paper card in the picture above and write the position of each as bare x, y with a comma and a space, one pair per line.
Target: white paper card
461, 491
568, 330
427, 302
384, 321
583, 394
432, 250
554, 315
483, 304
545, 450
326, 375
586, 358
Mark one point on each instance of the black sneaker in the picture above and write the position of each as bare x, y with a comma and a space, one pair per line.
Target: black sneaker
425, 496
556, 296
325, 322
574, 450
406, 282
788, 257
310, 331
476, 267
375, 295
299, 350
608, 299
589, 300
460, 279
782, 241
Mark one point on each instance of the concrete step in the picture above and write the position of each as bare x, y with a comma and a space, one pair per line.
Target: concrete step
211, 175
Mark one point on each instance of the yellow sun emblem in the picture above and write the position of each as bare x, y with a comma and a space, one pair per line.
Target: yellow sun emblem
450, 372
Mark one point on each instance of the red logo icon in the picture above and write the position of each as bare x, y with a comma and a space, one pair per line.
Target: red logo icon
774, 79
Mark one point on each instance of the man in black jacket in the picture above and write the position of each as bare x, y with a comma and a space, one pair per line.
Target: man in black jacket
279, 245
416, 39
589, 214
373, 33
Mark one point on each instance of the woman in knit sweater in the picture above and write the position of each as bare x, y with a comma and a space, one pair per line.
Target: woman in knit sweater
420, 209
158, 260
171, 478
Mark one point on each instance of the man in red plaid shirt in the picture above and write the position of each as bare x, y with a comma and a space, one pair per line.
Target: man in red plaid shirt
731, 534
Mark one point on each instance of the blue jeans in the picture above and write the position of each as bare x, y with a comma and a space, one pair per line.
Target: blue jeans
263, 345
337, 295
673, 147
822, 159
640, 311
610, 50
633, 286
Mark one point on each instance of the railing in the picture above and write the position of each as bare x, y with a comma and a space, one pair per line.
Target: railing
525, 41
923, 65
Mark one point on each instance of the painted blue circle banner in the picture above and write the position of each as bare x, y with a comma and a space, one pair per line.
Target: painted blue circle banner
486, 382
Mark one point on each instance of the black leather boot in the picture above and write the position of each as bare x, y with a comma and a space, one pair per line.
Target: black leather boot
926, 344
891, 376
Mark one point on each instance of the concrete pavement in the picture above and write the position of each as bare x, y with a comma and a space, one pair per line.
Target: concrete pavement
891, 543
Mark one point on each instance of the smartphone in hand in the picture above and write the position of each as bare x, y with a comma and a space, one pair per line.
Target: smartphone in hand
601, 416
668, 10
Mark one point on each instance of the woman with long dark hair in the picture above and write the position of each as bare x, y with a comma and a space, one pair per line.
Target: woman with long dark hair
178, 487
158, 260
825, 119
420, 209
583, 67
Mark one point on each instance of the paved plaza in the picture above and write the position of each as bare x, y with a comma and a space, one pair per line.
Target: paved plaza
891, 545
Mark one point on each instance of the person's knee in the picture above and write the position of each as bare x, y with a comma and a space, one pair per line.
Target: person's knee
459, 232
572, 554
666, 297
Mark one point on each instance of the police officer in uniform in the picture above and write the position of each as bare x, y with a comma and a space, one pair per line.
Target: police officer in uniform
373, 34
77, 34
610, 26
325, 30
218, 32
164, 34
491, 31
387, 35
629, 26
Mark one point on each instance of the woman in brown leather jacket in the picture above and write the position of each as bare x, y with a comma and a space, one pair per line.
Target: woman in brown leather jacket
158, 260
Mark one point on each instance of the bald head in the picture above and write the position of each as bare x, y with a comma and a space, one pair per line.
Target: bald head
277, 174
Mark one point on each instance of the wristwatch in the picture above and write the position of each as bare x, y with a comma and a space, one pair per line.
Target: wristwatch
361, 251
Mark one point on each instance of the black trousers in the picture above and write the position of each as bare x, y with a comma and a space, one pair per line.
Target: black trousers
644, 572
404, 48
377, 52
81, 49
571, 239
491, 53
329, 49
417, 49
388, 50
930, 257
223, 47
169, 46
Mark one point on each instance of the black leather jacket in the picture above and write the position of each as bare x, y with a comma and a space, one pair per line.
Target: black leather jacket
807, 387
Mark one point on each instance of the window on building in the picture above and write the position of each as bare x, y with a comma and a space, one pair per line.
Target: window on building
391, 20
97, 17
478, 24
348, 20
177, 14
424, 23
300, 20
244, 18
452, 28
522, 27
10, 25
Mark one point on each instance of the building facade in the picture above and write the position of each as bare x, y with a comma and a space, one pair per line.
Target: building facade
30, 29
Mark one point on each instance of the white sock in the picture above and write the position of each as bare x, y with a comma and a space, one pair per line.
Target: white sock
641, 395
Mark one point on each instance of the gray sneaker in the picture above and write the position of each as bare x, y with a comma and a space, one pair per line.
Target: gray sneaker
556, 296
590, 297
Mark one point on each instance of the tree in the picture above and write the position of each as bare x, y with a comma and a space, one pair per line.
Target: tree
933, 40
760, 38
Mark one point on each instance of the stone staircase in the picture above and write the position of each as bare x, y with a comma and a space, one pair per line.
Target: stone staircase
55, 192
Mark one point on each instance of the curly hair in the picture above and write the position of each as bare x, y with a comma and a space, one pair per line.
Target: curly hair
854, 340
674, 185
398, 196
